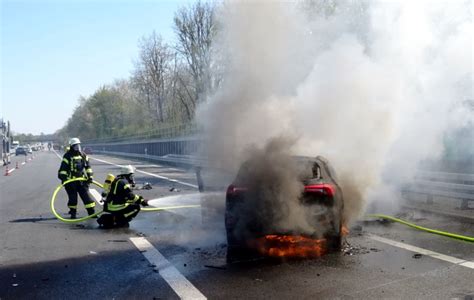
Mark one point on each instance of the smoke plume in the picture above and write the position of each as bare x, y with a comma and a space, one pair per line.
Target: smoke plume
372, 86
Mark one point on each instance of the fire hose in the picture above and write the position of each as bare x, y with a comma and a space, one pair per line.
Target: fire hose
59, 217
434, 231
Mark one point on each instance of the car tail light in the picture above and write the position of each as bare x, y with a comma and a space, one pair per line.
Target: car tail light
322, 188
233, 190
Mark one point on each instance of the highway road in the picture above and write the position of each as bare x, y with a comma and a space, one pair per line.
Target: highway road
173, 254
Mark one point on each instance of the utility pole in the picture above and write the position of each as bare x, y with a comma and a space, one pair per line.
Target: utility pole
6, 141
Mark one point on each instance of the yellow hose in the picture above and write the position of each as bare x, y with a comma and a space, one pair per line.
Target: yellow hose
53, 199
439, 232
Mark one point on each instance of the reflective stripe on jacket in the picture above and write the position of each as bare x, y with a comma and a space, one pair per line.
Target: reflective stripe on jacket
121, 195
74, 165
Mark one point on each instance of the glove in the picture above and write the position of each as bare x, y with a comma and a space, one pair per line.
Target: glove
89, 180
144, 202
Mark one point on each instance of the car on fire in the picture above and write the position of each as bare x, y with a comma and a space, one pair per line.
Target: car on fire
321, 199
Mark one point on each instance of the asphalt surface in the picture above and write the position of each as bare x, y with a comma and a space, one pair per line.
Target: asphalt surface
43, 258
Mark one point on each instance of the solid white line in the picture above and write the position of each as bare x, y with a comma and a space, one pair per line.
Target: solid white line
453, 260
180, 285
96, 195
150, 174
57, 154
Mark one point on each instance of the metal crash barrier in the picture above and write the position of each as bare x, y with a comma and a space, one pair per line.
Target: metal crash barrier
456, 186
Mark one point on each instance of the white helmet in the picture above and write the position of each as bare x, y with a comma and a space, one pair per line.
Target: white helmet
74, 141
126, 170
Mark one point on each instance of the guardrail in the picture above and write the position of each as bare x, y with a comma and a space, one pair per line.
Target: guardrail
183, 160
458, 186
150, 148
180, 151
163, 132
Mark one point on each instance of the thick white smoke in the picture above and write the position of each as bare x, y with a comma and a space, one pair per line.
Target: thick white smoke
373, 86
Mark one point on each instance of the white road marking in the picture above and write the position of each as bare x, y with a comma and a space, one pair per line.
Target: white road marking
57, 154
453, 260
151, 174
23, 163
96, 195
180, 285
10, 171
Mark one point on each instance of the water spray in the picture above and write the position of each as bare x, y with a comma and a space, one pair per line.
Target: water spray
59, 217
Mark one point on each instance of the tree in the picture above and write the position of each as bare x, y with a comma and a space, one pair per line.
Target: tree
150, 76
195, 29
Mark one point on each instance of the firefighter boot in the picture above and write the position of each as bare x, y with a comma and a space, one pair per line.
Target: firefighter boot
91, 211
72, 212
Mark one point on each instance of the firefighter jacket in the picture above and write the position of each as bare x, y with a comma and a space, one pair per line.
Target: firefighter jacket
74, 165
121, 196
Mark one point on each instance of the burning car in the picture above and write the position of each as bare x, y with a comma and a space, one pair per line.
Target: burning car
252, 216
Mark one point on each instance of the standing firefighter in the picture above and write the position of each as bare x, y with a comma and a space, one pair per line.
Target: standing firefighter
122, 204
75, 164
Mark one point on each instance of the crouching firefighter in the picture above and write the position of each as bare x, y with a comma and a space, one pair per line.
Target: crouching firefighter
75, 164
120, 202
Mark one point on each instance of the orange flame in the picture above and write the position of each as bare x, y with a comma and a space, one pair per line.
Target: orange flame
295, 246
344, 230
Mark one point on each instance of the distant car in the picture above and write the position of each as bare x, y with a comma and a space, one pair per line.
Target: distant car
88, 150
321, 199
28, 150
34, 148
20, 151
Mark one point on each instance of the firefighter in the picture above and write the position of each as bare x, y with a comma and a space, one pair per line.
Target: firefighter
122, 204
75, 164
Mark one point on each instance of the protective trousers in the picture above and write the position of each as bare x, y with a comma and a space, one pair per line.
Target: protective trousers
127, 214
74, 188
119, 218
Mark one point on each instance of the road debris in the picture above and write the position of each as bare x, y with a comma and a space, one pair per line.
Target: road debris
216, 267
417, 255
348, 249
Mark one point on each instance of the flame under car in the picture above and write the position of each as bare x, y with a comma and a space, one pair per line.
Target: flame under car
249, 225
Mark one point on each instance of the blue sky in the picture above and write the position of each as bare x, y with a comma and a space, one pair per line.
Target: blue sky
52, 52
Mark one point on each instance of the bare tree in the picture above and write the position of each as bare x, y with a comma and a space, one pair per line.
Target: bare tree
151, 73
195, 29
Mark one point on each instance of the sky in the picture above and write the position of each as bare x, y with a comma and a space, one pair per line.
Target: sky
53, 52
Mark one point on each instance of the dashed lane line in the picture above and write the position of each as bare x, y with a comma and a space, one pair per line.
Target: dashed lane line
453, 260
151, 174
180, 285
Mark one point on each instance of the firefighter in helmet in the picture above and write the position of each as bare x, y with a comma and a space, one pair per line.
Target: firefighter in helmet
122, 204
75, 164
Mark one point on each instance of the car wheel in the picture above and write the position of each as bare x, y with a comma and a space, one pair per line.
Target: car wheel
334, 235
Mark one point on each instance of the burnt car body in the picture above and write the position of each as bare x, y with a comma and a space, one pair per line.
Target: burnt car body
321, 199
